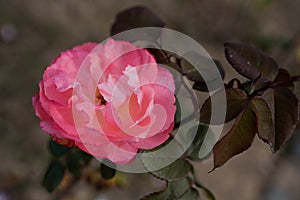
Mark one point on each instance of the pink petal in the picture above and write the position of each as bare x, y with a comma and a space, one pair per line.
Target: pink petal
117, 153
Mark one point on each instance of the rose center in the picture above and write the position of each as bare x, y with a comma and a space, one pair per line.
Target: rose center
99, 100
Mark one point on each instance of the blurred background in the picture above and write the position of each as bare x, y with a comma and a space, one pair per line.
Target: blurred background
33, 32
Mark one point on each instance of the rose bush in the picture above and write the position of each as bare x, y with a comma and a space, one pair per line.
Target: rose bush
109, 100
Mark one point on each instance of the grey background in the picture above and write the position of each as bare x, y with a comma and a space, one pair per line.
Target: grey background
33, 32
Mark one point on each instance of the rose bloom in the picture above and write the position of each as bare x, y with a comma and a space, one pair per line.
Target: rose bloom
109, 100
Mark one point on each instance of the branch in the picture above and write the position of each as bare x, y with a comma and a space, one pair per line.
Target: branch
295, 78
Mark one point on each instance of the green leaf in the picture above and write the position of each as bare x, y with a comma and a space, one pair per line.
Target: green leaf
159, 54
177, 117
162, 195
53, 176
173, 190
163, 162
56, 149
76, 160
194, 149
137, 17
265, 123
251, 62
247, 87
189, 70
286, 116
83, 156
106, 171
173, 172
191, 194
237, 140
204, 67
207, 192
160, 156
236, 101
178, 188
74, 165
200, 86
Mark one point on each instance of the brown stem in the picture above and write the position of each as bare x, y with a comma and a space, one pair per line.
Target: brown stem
276, 84
295, 78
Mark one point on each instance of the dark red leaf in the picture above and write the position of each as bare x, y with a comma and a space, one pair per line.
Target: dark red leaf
236, 101
238, 139
283, 79
286, 116
265, 122
136, 17
251, 62
283, 105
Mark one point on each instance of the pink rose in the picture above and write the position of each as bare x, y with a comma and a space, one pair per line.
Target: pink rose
109, 100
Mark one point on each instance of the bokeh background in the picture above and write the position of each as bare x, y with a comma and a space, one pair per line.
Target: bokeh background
33, 32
